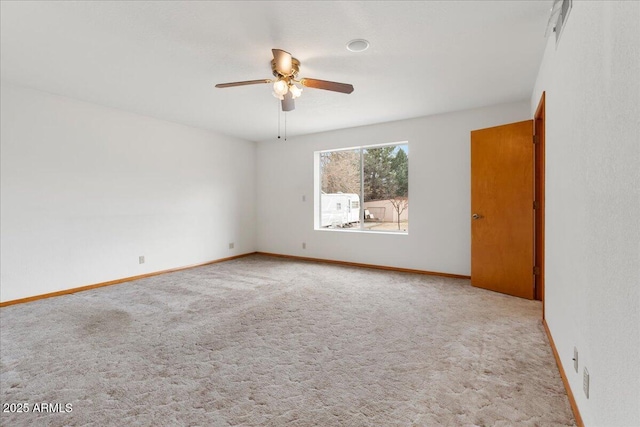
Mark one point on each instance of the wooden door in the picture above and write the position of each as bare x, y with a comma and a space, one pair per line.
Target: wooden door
502, 215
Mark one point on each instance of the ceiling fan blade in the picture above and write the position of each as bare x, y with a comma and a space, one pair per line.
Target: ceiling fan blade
327, 85
287, 103
245, 83
284, 65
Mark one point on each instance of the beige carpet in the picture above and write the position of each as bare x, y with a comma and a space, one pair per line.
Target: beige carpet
262, 341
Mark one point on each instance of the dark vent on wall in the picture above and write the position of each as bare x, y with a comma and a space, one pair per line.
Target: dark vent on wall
562, 18
559, 14
558, 18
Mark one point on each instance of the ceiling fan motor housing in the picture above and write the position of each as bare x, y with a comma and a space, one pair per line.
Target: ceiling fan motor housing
295, 67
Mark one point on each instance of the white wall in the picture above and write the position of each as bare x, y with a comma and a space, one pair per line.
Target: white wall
439, 192
87, 189
592, 84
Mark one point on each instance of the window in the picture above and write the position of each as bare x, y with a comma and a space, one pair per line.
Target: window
371, 182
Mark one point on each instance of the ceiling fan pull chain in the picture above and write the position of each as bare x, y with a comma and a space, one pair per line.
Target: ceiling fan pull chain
278, 104
285, 125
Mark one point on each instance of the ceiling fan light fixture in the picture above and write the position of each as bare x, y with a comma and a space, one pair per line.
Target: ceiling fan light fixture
295, 91
358, 45
280, 87
275, 95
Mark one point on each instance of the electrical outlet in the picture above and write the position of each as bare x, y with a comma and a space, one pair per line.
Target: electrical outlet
231, 245
575, 359
141, 259
304, 245
585, 382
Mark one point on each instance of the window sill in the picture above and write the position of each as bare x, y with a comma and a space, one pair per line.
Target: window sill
358, 230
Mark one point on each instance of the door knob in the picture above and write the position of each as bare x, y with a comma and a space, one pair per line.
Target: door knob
476, 216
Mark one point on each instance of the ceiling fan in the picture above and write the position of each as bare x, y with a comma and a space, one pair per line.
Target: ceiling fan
285, 69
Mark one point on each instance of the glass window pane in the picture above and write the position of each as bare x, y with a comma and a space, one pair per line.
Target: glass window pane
340, 189
386, 188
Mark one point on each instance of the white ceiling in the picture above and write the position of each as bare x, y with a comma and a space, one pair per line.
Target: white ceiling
163, 58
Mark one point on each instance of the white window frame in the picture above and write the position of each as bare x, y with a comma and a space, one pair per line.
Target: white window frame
317, 217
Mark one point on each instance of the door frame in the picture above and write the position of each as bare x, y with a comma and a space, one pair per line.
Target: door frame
539, 194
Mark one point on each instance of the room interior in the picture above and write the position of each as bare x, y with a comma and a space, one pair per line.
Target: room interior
116, 145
